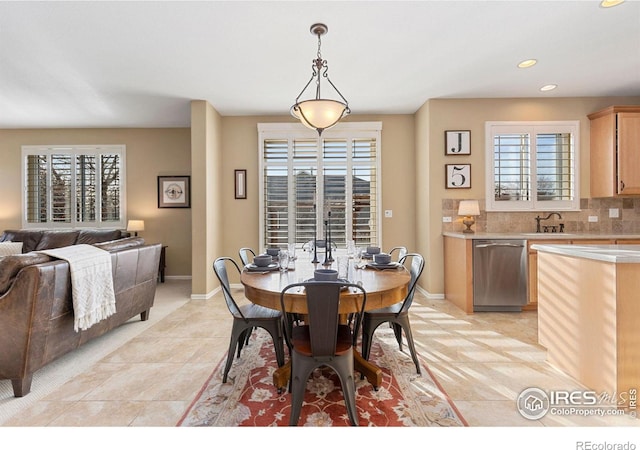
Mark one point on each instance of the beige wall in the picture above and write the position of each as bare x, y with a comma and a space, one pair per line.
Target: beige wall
207, 210
150, 152
436, 116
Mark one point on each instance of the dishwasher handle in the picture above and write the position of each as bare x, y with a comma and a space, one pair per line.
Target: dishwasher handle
501, 244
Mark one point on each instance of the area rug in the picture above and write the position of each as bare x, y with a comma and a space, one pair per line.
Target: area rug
249, 397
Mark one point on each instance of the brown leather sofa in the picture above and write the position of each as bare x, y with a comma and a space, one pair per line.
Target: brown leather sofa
36, 309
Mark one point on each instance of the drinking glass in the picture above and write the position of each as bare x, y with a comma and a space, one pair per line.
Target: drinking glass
291, 248
351, 248
357, 255
343, 267
283, 260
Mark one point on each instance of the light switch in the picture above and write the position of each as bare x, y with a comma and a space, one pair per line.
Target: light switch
388, 213
614, 213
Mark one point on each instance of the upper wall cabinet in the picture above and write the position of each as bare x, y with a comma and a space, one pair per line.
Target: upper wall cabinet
615, 151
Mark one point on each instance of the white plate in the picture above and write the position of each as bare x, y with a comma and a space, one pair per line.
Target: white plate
391, 265
253, 268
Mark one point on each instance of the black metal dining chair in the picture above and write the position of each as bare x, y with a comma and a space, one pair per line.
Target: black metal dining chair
322, 340
397, 314
400, 251
246, 317
246, 255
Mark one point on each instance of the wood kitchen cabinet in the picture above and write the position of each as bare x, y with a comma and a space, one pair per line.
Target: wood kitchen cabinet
533, 270
615, 151
458, 272
533, 263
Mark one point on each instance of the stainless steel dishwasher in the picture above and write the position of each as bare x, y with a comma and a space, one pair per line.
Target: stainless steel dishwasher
499, 274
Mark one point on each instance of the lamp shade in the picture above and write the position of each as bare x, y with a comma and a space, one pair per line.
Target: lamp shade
319, 114
469, 208
135, 225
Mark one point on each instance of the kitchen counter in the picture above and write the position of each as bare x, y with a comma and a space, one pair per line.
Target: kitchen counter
458, 258
538, 236
607, 253
587, 314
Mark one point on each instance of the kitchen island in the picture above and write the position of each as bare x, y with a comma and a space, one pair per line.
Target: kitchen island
588, 309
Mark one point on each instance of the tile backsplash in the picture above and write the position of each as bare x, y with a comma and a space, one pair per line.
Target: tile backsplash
628, 220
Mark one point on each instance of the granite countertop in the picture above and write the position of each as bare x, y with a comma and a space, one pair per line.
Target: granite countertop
538, 236
606, 253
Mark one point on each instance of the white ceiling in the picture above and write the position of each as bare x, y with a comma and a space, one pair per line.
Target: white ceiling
139, 64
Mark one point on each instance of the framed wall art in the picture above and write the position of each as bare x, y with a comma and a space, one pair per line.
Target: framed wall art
458, 176
457, 142
241, 183
174, 191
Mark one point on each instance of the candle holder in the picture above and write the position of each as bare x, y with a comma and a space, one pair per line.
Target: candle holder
315, 237
326, 244
328, 258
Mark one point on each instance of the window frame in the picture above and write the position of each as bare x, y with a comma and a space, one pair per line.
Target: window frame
349, 131
493, 128
74, 151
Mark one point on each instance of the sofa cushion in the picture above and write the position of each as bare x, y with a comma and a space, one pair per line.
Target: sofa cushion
11, 265
10, 248
120, 244
29, 238
95, 236
57, 239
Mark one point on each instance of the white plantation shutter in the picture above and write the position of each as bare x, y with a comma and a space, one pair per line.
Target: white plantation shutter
73, 186
532, 166
296, 203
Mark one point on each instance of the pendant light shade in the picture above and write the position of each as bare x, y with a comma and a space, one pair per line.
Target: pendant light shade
319, 113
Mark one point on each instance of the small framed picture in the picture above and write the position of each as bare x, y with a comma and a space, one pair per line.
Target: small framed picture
174, 191
241, 183
457, 142
458, 176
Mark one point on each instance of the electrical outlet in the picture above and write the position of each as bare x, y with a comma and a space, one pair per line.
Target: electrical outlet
446, 219
614, 213
593, 218
388, 213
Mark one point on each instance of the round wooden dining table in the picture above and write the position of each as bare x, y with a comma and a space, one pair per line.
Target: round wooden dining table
383, 287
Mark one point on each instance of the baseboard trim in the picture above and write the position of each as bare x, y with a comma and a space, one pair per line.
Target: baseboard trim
206, 296
429, 295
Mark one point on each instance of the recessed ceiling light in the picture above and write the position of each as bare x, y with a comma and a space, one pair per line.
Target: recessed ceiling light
610, 3
527, 63
548, 87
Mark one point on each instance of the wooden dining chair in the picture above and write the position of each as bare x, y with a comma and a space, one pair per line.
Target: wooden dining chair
397, 315
246, 255
246, 317
322, 341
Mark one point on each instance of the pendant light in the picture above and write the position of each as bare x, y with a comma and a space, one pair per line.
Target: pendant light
319, 113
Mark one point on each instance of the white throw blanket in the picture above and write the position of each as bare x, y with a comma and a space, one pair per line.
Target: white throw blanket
91, 283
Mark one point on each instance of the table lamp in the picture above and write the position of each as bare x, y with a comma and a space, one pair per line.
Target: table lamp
468, 209
135, 226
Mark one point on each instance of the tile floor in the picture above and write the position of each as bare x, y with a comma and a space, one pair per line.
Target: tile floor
483, 361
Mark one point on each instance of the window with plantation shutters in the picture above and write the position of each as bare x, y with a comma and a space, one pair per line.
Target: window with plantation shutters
308, 183
532, 166
74, 186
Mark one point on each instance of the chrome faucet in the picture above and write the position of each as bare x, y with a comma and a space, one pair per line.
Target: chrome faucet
538, 219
